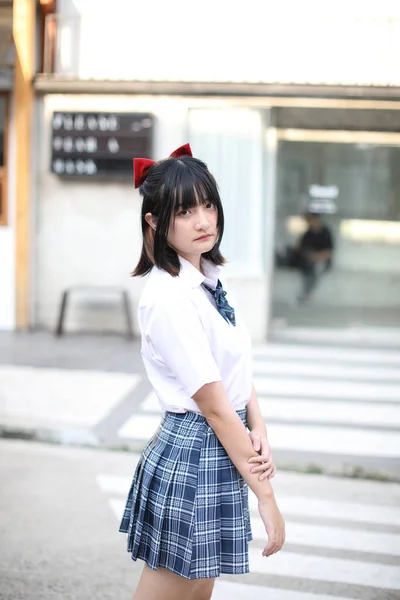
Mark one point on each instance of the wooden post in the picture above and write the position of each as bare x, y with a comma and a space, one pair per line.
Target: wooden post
24, 40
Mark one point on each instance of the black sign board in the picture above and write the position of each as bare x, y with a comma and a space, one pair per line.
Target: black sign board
94, 144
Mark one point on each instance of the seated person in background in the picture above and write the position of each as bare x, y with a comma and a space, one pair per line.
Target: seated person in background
314, 253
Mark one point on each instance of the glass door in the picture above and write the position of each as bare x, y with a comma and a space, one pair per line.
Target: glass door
352, 188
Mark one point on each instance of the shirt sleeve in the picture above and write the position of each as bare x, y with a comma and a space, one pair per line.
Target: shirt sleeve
177, 338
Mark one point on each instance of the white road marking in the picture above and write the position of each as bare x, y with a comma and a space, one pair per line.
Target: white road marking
326, 388
326, 369
320, 568
338, 538
61, 397
118, 507
310, 411
325, 439
335, 440
330, 411
244, 591
151, 403
328, 353
290, 506
295, 506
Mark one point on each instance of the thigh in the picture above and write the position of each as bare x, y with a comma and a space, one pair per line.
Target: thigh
203, 589
165, 584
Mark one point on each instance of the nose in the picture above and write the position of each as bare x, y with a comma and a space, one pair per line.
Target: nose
202, 222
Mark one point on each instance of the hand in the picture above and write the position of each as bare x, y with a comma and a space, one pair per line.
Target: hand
274, 525
267, 468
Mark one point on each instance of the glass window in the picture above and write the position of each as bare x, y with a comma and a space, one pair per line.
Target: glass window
360, 284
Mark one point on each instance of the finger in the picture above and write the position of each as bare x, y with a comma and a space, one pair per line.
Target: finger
265, 447
258, 459
265, 475
269, 548
256, 440
261, 468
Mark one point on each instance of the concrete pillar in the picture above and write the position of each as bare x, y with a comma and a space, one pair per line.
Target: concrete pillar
24, 40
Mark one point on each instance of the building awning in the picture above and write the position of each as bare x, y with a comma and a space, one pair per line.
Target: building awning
53, 84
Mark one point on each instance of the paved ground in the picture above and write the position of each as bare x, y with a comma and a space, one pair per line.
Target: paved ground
332, 409
59, 517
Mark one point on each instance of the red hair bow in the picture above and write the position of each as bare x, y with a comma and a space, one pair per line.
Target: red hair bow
142, 165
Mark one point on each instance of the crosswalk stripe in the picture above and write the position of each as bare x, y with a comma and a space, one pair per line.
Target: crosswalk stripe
335, 440
332, 371
325, 439
320, 568
328, 353
117, 506
338, 538
244, 591
326, 388
330, 412
290, 506
314, 411
302, 506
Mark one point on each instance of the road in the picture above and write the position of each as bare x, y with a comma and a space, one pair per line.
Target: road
328, 409
59, 511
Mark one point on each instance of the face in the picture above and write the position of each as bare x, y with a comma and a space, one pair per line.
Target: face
312, 221
194, 231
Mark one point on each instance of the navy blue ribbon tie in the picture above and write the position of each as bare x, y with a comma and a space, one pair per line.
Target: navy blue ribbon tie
226, 311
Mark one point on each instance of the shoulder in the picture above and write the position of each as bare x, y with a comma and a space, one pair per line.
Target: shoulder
163, 296
159, 285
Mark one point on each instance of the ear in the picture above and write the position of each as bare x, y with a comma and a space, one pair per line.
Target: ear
150, 220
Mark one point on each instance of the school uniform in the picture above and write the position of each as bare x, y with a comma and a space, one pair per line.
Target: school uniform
187, 509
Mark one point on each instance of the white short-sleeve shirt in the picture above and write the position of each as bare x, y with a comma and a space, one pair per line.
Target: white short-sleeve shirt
186, 343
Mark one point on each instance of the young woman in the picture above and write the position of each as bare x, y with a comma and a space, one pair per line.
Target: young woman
187, 511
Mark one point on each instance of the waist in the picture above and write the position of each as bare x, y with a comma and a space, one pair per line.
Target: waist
177, 410
194, 417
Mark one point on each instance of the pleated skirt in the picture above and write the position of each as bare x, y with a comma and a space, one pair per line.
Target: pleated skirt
187, 508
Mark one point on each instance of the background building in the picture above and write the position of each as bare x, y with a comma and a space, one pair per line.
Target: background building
275, 100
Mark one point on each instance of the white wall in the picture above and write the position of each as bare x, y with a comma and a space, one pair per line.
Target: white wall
7, 238
88, 232
343, 42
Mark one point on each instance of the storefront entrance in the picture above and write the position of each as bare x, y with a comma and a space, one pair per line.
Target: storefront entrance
353, 179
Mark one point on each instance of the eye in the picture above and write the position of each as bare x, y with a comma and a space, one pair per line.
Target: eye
210, 205
182, 213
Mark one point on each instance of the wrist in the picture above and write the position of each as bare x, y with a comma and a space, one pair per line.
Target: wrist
266, 495
259, 429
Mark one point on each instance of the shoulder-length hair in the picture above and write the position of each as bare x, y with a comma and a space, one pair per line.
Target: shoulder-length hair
171, 185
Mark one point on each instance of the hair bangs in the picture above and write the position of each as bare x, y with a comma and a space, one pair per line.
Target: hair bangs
196, 186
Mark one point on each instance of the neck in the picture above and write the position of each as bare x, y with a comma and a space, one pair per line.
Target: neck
193, 259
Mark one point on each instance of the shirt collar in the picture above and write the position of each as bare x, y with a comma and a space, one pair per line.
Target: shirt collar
193, 278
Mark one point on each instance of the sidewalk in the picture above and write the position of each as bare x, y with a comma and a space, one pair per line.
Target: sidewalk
58, 389
329, 409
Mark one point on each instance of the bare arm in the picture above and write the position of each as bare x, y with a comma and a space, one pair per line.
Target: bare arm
229, 429
264, 463
254, 416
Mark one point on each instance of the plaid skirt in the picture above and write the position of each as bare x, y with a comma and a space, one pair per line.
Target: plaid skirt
187, 509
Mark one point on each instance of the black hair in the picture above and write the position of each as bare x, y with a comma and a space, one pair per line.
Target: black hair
170, 185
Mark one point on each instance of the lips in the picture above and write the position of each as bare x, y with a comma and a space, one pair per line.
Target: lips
203, 237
